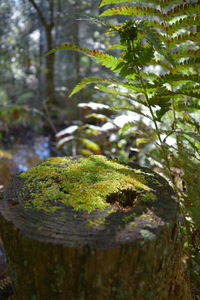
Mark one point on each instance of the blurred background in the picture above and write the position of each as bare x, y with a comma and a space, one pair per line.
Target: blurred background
37, 118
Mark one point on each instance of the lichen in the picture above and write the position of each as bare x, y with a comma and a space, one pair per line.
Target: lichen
83, 184
147, 234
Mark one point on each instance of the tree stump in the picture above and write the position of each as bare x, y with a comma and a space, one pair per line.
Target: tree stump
5, 282
91, 228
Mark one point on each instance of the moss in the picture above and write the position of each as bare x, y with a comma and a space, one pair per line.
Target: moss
83, 184
132, 224
97, 222
148, 197
128, 218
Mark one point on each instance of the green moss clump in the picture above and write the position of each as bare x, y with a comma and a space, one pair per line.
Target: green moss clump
83, 184
129, 218
96, 222
148, 197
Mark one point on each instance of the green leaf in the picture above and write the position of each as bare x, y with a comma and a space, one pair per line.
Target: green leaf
163, 110
100, 117
184, 22
141, 141
151, 35
181, 38
162, 3
86, 81
184, 52
130, 107
170, 77
107, 2
94, 147
132, 11
182, 9
116, 91
115, 85
107, 60
193, 135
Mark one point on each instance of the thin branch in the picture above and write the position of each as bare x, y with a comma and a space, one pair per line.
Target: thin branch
51, 8
40, 14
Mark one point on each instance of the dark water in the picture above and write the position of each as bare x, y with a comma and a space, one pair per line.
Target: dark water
26, 156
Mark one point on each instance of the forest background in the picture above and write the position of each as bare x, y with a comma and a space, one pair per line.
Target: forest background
38, 119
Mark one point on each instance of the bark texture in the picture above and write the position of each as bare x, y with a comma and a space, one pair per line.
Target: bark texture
132, 254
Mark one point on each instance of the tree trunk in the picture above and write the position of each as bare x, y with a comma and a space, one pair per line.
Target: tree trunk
41, 67
5, 282
50, 61
47, 21
128, 250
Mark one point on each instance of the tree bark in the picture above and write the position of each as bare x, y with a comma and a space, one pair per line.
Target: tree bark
50, 61
5, 282
48, 24
75, 31
134, 254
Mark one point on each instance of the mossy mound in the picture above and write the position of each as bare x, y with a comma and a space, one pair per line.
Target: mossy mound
84, 184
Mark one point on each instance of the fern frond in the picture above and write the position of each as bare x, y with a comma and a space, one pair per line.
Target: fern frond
152, 37
115, 84
187, 93
181, 38
188, 87
147, 75
182, 9
165, 3
116, 91
157, 99
132, 87
132, 11
164, 65
107, 60
147, 11
129, 107
175, 78
182, 66
117, 46
184, 22
162, 3
85, 82
180, 53
107, 2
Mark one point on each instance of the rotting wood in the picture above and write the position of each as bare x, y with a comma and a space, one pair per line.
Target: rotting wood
117, 252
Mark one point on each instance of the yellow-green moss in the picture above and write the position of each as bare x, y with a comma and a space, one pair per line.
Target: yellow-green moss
84, 184
128, 218
96, 222
148, 197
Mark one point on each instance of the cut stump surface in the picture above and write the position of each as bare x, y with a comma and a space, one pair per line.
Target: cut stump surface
91, 228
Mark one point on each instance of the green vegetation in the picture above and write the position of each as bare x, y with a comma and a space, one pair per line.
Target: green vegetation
144, 107
159, 35
84, 184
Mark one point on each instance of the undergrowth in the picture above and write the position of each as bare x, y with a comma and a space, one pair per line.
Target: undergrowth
164, 35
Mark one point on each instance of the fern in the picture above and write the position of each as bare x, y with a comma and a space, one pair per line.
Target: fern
105, 59
176, 78
160, 33
131, 11
164, 3
84, 82
195, 37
